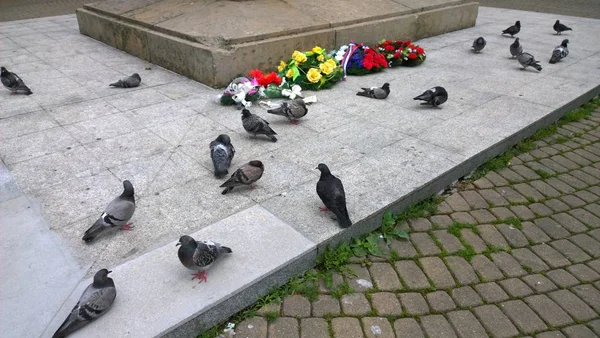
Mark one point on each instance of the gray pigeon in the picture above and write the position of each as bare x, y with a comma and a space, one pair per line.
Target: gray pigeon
128, 82
331, 192
513, 30
434, 96
221, 152
516, 48
375, 92
293, 110
13, 82
255, 125
479, 44
526, 60
116, 214
560, 52
199, 255
95, 301
559, 27
245, 175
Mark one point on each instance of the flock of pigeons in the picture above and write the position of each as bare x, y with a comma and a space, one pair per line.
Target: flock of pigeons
200, 255
516, 49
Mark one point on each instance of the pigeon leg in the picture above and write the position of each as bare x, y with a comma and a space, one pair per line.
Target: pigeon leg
323, 209
201, 275
252, 187
127, 227
294, 122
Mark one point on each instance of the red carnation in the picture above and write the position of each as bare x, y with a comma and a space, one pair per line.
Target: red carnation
420, 51
255, 73
407, 42
399, 42
412, 56
396, 55
389, 48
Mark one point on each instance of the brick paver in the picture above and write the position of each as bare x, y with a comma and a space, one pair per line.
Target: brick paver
510, 254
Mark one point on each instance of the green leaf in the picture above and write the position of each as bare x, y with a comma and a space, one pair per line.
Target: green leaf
296, 73
359, 251
401, 234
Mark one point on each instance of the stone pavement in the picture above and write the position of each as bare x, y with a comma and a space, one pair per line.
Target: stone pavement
66, 148
11, 10
583, 8
515, 253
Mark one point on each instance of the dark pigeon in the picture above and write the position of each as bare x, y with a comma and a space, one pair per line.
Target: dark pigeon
376, 92
515, 48
128, 82
559, 27
116, 215
331, 191
221, 153
434, 96
13, 82
292, 110
560, 52
245, 175
255, 125
95, 301
513, 30
199, 255
527, 60
479, 44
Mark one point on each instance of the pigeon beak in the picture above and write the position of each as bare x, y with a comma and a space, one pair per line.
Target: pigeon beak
109, 272
178, 244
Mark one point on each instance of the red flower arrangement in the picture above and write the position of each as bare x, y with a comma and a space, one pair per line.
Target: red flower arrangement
265, 80
401, 53
362, 60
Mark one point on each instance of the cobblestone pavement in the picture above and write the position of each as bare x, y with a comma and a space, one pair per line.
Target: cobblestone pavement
515, 253
583, 8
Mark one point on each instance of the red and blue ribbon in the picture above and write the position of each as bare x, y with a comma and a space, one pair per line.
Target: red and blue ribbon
352, 47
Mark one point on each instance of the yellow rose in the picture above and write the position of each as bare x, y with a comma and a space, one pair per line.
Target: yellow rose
326, 68
320, 57
317, 50
281, 66
313, 75
300, 57
289, 73
331, 63
295, 53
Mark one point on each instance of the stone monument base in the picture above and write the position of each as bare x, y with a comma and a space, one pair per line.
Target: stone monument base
211, 41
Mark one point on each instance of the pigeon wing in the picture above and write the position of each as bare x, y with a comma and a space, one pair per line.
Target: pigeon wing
119, 211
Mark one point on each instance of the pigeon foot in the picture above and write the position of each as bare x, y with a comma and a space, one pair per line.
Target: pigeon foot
294, 122
127, 227
201, 275
323, 209
252, 187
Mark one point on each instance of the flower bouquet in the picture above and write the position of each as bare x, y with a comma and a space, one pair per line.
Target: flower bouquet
244, 90
401, 53
358, 59
312, 70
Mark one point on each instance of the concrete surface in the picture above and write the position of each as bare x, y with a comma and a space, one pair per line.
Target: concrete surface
70, 144
213, 41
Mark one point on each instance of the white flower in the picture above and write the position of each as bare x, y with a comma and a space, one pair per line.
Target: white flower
295, 91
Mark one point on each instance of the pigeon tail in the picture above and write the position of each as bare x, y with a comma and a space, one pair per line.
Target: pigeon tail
277, 111
537, 66
273, 138
363, 93
344, 220
94, 231
68, 326
225, 249
116, 84
226, 190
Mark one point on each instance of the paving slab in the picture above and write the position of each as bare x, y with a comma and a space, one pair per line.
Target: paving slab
55, 143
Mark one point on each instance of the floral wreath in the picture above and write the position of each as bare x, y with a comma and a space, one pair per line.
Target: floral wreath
312, 70
401, 53
359, 59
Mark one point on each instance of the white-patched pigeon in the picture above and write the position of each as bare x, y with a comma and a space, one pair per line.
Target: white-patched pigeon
221, 153
199, 255
560, 52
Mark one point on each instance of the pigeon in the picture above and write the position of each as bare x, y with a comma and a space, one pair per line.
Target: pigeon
375, 92
434, 96
13, 82
478, 44
526, 60
221, 152
245, 175
199, 255
331, 191
559, 27
255, 125
293, 110
95, 301
560, 52
128, 82
116, 214
513, 30
516, 48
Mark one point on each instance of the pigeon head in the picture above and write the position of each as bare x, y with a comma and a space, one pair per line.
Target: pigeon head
246, 113
4, 70
518, 23
386, 86
257, 164
137, 76
323, 169
223, 138
557, 22
127, 189
187, 241
101, 278
564, 42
